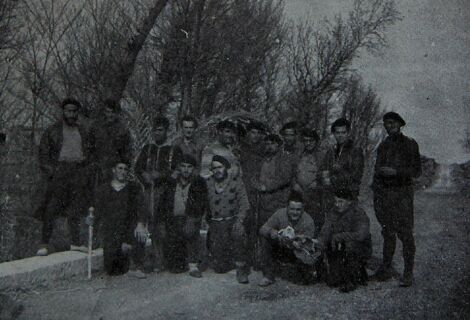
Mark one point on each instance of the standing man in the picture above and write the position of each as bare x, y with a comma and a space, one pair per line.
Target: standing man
398, 163
156, 163
279, 245
66, 158
344, 162
113, 139
229, 207
291, 147
120, 218
182, 205
188, 142
345, 239
227, 134
308, 176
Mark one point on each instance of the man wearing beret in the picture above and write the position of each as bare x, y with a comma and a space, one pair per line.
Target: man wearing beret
228, 209
121, 216
113, 139
307, 178
398, 163
182, 205
345, 239
224, 146
155, 164
280, 245
66, 158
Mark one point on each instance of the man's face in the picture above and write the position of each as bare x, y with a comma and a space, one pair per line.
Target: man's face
271, 147
227, 136
159, 134
110, 116
70, 114
120, 172
289, 137
188, 129
294, 210
219, 171
254, 136
342, 204
186, 170
310, 143
341, 134
392, 126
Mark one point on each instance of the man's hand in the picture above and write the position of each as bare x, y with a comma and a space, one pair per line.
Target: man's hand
258, 185
337, 240
126, 248
141, 233
388, 171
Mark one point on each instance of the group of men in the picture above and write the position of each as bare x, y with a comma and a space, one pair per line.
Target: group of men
270, 201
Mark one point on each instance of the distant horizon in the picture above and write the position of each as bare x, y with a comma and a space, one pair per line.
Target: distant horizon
423, 74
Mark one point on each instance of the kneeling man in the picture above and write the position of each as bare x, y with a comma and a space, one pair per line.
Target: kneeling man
286, 236
346, 240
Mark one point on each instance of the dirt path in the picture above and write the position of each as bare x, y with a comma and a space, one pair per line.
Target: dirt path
441, 290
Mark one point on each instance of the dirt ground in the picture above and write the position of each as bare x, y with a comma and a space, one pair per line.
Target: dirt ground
441, 290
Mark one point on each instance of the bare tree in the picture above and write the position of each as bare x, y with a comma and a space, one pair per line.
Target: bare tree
319, 60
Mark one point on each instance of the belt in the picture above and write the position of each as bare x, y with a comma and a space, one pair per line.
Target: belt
223, 218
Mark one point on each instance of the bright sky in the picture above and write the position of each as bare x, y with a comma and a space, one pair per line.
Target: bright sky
424, 74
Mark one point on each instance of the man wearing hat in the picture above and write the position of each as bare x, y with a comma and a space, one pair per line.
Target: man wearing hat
182, 205
228, 209
121, 215
224, 146
66, 158
307, 178
398, 163
345, 239
155, 164
285, 232
112, 138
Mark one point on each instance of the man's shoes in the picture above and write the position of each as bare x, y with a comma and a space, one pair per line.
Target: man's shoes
242, 277
138, 274
42, 252
348, 287
194, 271
382, 274
407, 280
78, 248
265, 282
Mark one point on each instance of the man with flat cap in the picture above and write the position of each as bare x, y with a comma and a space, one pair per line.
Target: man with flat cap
228, 209
66, 158
182, 205
224, 146
398, 163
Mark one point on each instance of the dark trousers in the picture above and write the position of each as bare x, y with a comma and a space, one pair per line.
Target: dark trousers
226, 245
344, 267
273, 254
394, 211
181, 246
68, 192
117, 262
313, 202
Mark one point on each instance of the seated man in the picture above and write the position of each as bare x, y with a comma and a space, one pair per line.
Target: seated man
182, 205
120, 220
346, 240
286, 236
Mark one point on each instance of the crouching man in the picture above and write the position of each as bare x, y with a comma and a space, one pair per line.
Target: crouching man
286, 237
120, 220
346, 240
182, 205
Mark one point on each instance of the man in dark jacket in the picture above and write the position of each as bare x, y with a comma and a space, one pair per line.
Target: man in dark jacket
66, 159
345, 239
398, 163
112, 139
155, 164
182, 205
121, 216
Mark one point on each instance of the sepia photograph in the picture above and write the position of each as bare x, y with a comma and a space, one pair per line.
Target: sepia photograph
234, 159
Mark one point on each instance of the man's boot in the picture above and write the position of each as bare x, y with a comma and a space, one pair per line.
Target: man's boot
194, 271
384, 272
242, 272
408, 258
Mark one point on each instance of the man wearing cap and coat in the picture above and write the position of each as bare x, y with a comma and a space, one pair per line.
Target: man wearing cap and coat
398, 163
228, 210
66, 159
